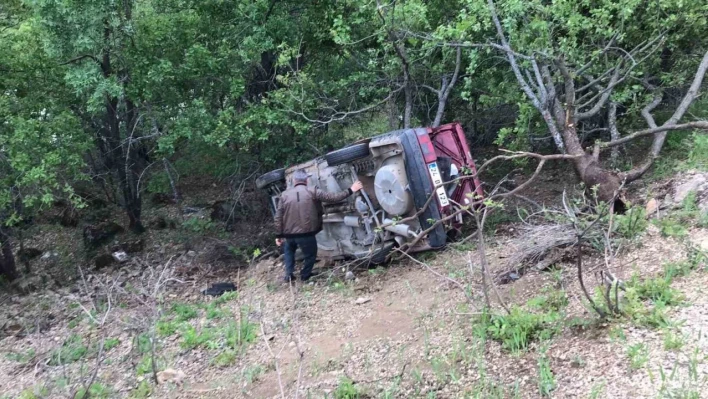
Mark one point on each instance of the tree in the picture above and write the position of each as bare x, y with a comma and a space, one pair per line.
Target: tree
93, 39
574, 61
41, 142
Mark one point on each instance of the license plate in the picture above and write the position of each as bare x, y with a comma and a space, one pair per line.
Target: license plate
437, 180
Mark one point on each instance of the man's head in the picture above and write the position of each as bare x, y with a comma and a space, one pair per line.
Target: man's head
300, 176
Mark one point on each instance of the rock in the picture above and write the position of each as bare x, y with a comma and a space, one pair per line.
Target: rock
16, 330
130, 247
28, 283
103, 260
191, 254
171, 375
120, 256
349, 276
49, 255
682, 191
651, 207
95, 235
362, 300
191, 210
27, 254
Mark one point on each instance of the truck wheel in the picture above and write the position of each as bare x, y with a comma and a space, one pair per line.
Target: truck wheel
381, 254
348, 154
269, 178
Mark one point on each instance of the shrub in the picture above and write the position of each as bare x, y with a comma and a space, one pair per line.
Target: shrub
520, 327
71, 350
546, 379
638, 356
656, 289
632, 223
346, 390
184, 311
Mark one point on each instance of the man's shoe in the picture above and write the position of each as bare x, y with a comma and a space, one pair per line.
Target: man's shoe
288, 279
313, 274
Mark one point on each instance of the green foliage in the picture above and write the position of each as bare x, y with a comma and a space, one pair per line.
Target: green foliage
20, 357
632, 223
144, 366
695, 260
215, 312
678, 222
673, 340
144, 344
239, 334
684, 151
37, 392
346, 389
518, 329
192, 338
110, 343
646, 300
233, 335
655, 289
226, 358
165, 327
96, 390
184, 311
546, 379
143, 391
638, 355
72, 350
671, 227
550, 301
226, 297
198, 225
597, 390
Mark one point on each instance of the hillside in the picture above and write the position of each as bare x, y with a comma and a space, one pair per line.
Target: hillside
406, 330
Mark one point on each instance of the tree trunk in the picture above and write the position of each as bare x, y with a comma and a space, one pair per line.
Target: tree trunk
133, 167
587, 166
392, 113
8, 267
124, 159
592, 174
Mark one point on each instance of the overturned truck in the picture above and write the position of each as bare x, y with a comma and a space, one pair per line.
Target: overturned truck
403, 198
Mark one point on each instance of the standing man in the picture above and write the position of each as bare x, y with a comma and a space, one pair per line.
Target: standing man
299, 218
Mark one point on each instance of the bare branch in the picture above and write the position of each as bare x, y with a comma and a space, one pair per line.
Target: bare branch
446, 88
512, 58
614, 132
589, 64
82, 57
703, 125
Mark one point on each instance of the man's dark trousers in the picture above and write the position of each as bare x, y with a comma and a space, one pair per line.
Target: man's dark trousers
308, 246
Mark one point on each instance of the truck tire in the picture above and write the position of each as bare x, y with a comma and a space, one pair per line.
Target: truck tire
422, 188
269, 178
380, 255
348, 154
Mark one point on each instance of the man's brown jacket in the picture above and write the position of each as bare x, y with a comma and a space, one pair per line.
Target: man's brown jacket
299, 212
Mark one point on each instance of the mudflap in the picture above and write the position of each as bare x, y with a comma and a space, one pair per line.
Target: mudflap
422, 188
